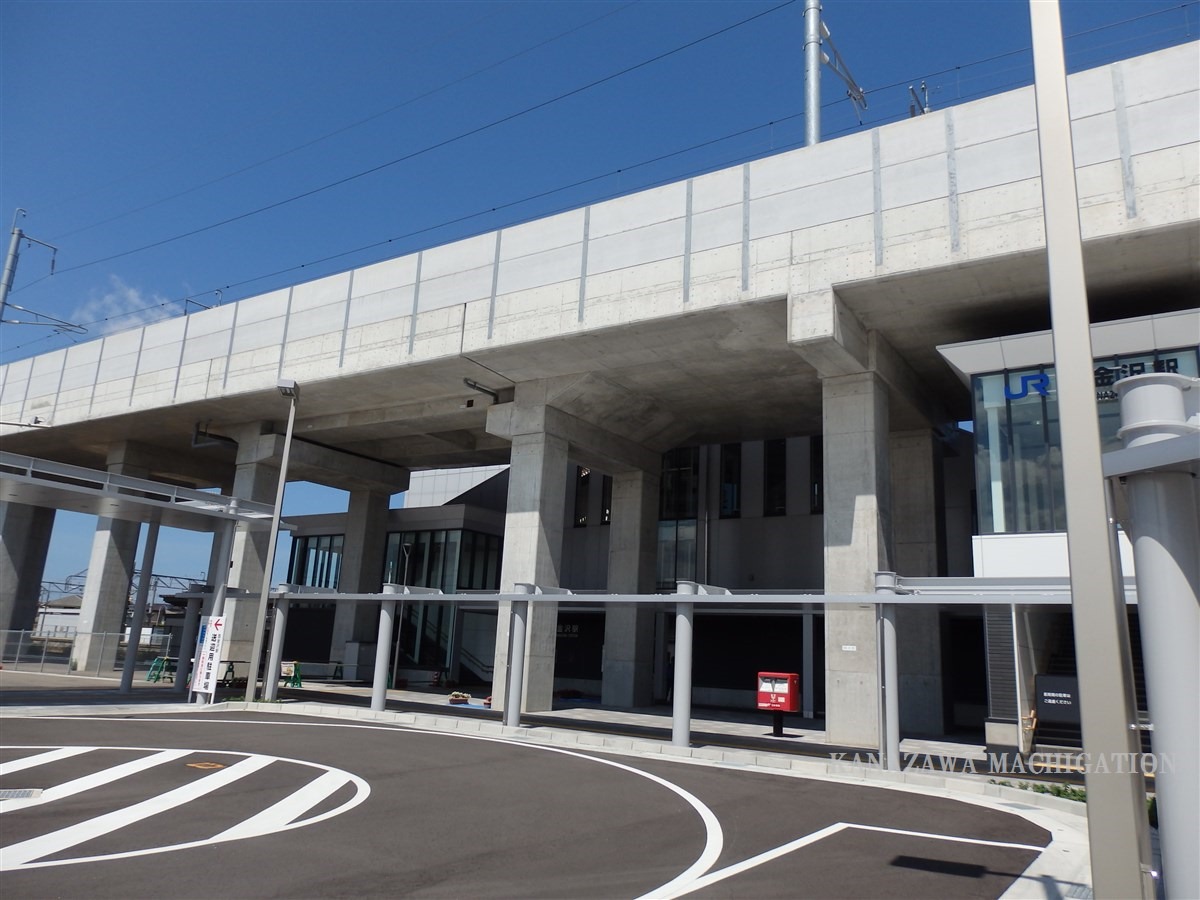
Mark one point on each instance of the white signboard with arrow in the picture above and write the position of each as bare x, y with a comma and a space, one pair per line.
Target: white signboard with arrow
208, 654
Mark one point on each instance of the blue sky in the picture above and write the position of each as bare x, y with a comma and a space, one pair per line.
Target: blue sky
326, 135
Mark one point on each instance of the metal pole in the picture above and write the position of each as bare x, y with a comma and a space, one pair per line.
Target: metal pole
807, 639
10, 266
100, 655
812, 72
1117, 824
387, 615
187, 644
1165, 531
681, 718
134, 643
274, 660
889, 733
518, 623
224, 550
260, 622
20, 641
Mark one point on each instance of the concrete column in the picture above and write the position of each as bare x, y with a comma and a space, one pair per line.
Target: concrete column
629, 628
533, 534
362, 569
24, 541
257, 482
857, 524
915, 463
110, 573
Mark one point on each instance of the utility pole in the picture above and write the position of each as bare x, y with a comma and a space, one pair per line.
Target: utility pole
815, 34
10, 271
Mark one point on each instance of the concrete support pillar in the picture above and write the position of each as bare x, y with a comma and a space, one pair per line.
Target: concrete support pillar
533, 534
110, 573
24, 542
857, 545
257, 482
362, 569
916, 468
629, 628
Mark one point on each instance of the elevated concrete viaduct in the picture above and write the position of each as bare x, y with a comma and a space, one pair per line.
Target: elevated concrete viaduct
799, 294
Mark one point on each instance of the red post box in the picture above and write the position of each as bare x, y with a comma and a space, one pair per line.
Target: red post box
779, 691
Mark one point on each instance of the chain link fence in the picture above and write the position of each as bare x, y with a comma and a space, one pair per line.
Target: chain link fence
55, 652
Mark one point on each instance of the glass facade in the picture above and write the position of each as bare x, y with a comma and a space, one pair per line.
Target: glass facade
316, 561
677, 517
1018, 444
449, 560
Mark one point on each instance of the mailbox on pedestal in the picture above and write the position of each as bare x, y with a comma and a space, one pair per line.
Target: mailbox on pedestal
779, 691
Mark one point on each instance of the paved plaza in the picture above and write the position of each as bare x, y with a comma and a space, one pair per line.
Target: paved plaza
135, 796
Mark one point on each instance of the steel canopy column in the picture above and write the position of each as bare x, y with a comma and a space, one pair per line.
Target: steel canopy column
1165, 531
383, 646
187, 645
889, 747
274, 659
681, 719
139, 608
518, 622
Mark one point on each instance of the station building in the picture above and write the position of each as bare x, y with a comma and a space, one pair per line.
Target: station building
787, 375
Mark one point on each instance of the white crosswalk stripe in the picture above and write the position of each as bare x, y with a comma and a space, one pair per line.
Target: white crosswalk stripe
286, 813
40, 759
95, 780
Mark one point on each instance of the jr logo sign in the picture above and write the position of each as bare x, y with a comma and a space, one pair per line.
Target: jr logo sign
1039, 383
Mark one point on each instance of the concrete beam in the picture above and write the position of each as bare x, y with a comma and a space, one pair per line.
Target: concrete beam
904, 384
590, 445
827, 334
325, 465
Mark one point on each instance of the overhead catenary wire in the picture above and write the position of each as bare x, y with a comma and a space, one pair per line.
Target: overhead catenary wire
436, 145
875, 122
345, 128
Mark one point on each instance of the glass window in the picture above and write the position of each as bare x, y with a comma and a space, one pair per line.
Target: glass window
583, 482
606, 500
816, 474
731, 481
680, 483
1018, 439
316, 561
775, 477
452, 560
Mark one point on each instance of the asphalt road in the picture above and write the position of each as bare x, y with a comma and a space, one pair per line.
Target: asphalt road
281, 806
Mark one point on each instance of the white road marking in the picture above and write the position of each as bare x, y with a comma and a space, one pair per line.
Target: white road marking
56, 841
714, 837
282, 816
747, 864
286, 811
948, 837
95, 780
41, 759
829, 831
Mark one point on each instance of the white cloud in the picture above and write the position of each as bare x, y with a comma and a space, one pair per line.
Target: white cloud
122, 307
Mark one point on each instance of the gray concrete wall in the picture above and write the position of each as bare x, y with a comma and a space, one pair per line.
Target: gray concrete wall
956, 186
24, 541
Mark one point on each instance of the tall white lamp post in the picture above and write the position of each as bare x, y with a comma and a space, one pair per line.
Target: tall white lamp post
289, 389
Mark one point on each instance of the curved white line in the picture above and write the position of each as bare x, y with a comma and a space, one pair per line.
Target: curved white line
714, 837
362, 791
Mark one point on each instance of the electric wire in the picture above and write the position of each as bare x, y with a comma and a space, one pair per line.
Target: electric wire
435, 146
867, 124
345, 128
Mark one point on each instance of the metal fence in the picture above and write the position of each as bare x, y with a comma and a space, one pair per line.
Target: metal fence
33, 651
